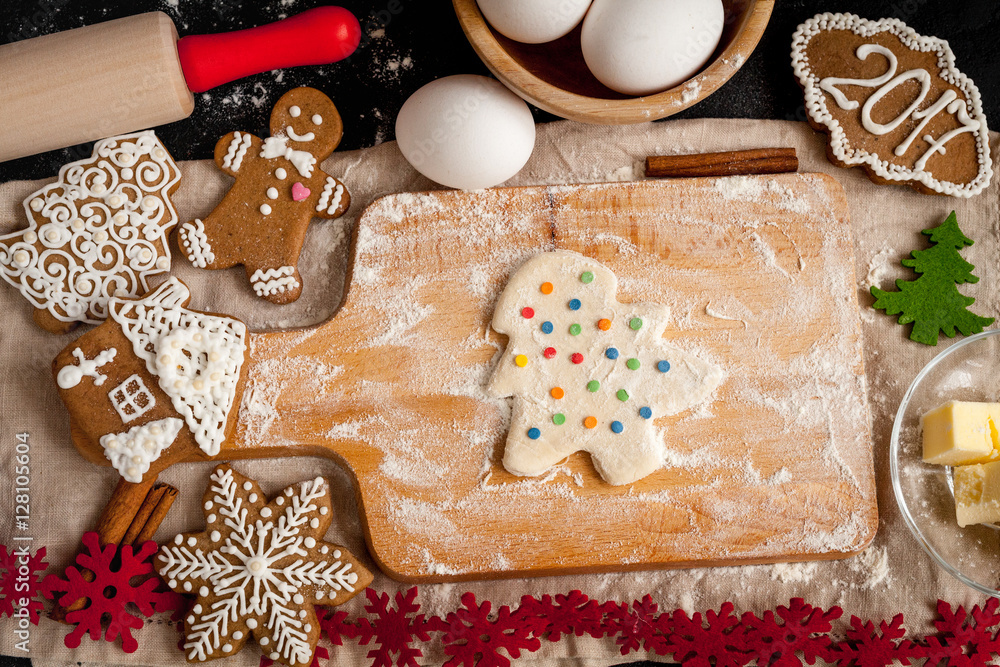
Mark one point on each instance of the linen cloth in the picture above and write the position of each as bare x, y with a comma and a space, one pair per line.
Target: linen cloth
893, 575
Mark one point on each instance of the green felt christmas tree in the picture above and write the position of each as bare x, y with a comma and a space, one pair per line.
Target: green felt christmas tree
932, 302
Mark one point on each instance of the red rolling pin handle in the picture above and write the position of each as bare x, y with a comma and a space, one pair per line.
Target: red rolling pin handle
314, 37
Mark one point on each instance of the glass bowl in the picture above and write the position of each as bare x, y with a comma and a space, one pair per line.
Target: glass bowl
969, 370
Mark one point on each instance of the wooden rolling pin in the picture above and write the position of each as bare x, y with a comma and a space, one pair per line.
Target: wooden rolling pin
133, 73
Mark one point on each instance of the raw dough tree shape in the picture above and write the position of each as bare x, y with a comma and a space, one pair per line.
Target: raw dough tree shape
588, 373
932, 302
261, 223
260, 568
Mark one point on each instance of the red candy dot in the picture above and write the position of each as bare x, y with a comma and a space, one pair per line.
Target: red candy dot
549, 352
576, 358
527, 312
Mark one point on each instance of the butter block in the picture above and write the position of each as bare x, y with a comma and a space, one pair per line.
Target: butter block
977, 493
961, 433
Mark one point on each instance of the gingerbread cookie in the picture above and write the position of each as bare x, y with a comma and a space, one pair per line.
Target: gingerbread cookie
588, 373
260, 568
894, 103
154, 376
99, 231
261, 223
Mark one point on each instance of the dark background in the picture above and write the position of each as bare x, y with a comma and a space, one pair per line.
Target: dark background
422, 41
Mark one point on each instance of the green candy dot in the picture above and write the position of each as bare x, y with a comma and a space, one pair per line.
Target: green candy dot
575, 329
622, 395
635, 323
558, 419
633, 364
586, 277
593, 386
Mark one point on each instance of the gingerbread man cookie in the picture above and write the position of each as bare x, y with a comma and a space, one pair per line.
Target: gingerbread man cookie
261, 222
260, 569
99, 231
893, 103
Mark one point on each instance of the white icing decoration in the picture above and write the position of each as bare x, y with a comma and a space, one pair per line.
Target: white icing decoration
274, 281
132, 452
280, 174
275, 147
258, 572
265, 209
71, 375
238, 148
317, 119
620, 458
132, 398
294, 111
55, 254
967, 112
185, 350
272, 193
308, 136
334, 188
194, 243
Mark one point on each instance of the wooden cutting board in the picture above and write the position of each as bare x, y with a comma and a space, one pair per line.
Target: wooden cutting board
759, 275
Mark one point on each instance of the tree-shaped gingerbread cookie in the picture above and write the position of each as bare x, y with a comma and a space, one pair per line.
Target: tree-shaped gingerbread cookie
261, 223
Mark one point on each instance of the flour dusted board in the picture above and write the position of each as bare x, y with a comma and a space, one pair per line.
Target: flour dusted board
758, 274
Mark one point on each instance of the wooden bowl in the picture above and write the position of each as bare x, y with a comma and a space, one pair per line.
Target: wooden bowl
554, 76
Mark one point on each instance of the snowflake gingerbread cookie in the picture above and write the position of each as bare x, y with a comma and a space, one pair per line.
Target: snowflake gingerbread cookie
588, 373
99, 231
894, 103
154, 376
261, 223
259, 569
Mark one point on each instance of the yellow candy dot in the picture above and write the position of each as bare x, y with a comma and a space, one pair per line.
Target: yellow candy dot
521, 360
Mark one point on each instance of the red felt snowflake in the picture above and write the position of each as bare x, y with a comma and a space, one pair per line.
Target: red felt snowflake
964, 641
473, 640
320, 654
721, 644
394, 630
335, 626
18, 584
867, 647
803, 628
574, 613
636, 626
109, 592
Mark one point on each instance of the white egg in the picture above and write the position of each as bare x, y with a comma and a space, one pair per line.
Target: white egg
466, 132
534, 21
640, 47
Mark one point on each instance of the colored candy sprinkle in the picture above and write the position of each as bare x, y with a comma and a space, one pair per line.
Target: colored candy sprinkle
574, 304
622, 395
575, 329
547, 327
635, 323
593, 386
645, 413
604, 324
521, 360
633, 364
663, 366
617, 427
558, 419
557, 392
534, 433
590, 422
549, 352
586, 277
546, 288
611, 353
527, 312
576, 358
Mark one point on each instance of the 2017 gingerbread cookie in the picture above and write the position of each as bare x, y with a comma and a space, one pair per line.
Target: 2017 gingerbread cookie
261, 223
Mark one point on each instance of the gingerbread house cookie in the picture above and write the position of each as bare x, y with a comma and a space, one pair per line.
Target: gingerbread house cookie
261, 223
893, 103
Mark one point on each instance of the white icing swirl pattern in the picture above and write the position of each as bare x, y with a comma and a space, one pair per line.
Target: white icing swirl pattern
330, 198
274, 281
238, 148
195, 244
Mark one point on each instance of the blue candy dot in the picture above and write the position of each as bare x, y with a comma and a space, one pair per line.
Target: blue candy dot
645, 413
617, 427
574, 304
611, 353
663, 366
534, 433
547, 327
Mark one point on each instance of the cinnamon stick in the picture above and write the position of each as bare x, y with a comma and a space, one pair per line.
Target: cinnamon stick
157, 515
141, 516
733, 163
